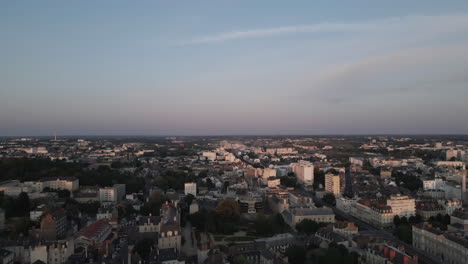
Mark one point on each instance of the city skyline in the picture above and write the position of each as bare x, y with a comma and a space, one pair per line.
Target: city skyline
233, 68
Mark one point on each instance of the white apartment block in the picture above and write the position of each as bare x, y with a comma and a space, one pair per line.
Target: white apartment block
332, 184
112, 194
304, 171
190, 187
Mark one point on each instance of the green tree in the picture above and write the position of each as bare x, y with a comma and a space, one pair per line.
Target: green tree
228, 209
154, 204
296, 254
143, 248
307, 226
329, 198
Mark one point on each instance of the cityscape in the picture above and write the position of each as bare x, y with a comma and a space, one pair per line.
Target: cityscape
233, 132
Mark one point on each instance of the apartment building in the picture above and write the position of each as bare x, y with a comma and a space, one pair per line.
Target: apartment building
332, 184
304, 171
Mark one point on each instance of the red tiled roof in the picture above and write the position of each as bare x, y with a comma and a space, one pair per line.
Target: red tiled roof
93, 230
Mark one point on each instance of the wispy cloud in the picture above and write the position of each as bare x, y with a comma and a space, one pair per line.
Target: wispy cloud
315, 28
433, 23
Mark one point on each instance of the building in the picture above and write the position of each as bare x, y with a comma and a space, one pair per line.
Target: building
459, 221
435, 184
250, 204
207, 155
402, 205
170, 232
6, 256
347, 229
112, 194
374, 213
344, 204
444, 247
332, 183
428, 209
382, 253
304, 171
60, 183
267, 173
273, 182
293, 216
54, 225
148, 224
54, 252
358, 161
451, 205
190, 187
97, 235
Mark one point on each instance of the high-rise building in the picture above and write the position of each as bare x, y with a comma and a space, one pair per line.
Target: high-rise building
304, 171
332, 183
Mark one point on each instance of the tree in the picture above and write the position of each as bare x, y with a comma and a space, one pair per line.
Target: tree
154, 204
228, 209
329, 198
307, 226
288, 181
143, 247
241, 260
404, 233
189, 199
296, 254
396, 220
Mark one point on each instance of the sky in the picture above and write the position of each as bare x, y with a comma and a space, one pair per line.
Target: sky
233, 67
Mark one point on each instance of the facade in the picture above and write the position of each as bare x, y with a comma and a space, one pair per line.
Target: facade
332, 184
459, 221
96, 235
170, 232
60, 183
56, 252
304, 171
383, 253
250, 204
402, 205
54, 225
190, 187
428, 209
112, 194
148, 224
436, 184
444, 247
347, 229
273, 182
345, 204
378, 215
293, 216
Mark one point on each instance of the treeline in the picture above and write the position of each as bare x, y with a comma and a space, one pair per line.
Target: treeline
335, 253
25, 169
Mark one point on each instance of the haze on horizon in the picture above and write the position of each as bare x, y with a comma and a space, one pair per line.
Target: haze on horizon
233, 67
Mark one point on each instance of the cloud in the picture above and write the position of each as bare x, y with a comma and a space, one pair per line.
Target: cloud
413, 73
317, 28
434, 23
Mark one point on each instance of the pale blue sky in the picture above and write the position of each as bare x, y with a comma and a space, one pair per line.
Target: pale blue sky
233, 67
